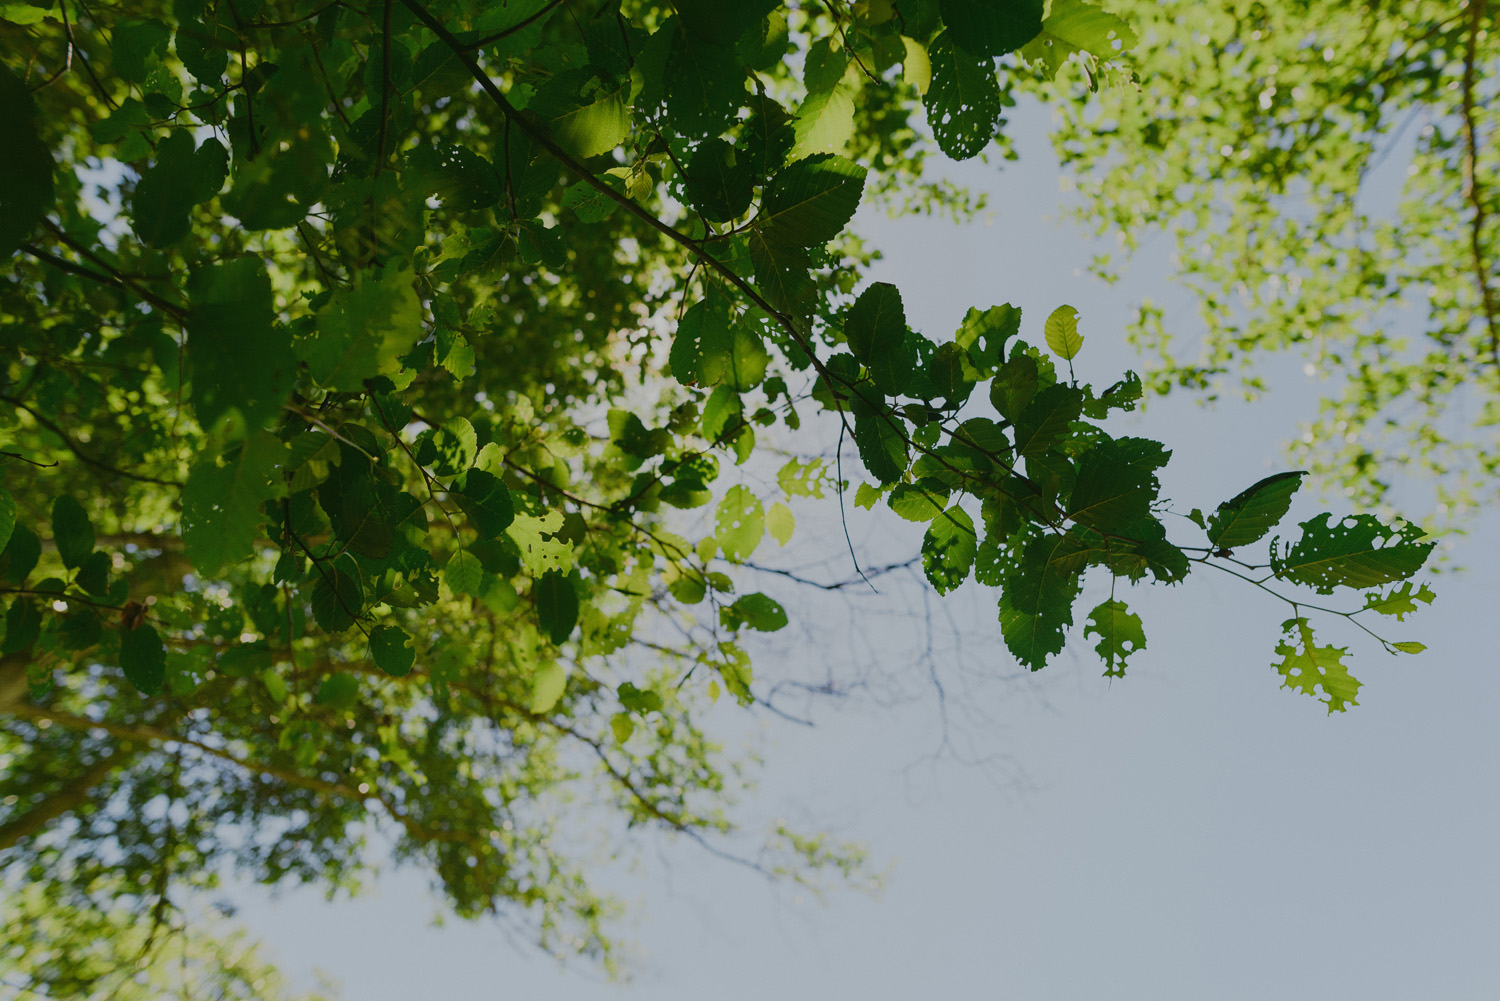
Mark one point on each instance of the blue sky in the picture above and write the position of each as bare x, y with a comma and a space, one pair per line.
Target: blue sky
1191, 831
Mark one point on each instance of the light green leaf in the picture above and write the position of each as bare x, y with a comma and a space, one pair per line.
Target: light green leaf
916, 68
464, 573
1076, 27
1399, 601
586, 111
921, 501
1062, 333
825, 123
1120, 635
339, 690
1307, 667
739, 523
1410, 646
780, 522
547, 687
539, 554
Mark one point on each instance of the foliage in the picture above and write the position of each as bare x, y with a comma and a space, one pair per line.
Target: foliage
347, 494
1264, 137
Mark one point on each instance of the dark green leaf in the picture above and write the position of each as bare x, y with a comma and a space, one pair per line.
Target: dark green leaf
719, 181
25, 166
392, 650
876, 331
23, 625
556, 605
459, 178
1036, 606
1357, 551
338, 691
72, 531
963, 102
143, 658
221, 503
878, 436
810, 202
485, 499
1047, 419
240, 356
756, 611
1253, 512
336, 598
992, 27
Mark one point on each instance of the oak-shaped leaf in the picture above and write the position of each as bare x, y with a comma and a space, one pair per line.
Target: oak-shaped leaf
1307, 667
1120, 635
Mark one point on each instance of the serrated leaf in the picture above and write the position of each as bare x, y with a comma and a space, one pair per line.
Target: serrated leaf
719, 181
809, 202
878, 437
1073, 27
1306, 667
1120, 635
992, 27
948, 549
556, 605
459, 178
739, 523
221, 503
464, 573
1047, 419
1254, 511
1399, 601
1061, 330
455, 445
585, 110
1036, 605
392, 650
825, 123
1110, 493
876, 332
963, 102
921, 501
486, 500
337, 598
1358, 551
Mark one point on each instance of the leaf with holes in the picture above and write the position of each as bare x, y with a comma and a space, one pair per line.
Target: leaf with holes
1120, 635
1306, 667
1357, 551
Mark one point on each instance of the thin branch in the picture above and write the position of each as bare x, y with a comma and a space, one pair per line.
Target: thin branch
83, 456
1473, 190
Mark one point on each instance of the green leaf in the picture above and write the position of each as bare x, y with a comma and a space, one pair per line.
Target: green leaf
541, 551
7, 517
1410, 646
878, 437
547, 687
780, 522
464, 573
825, 123
1306, 667
810, 202
136, 45
1036, 605
756, 611
72, 531
876, 331
484, 498
1047, 419
143, 658
339, 691
639, 700
241, 358
25, 168
1254, 511
454, 447
585, 110
921, 501
705, 86
1074, 26
719, 181
556, 605
23, 625
1120, 635
992, 27
363, 331
963, 104
181, 178
983, 336
739, 523
336, 598
1399, 601
1357, 551
1062, 333
1111, 494
392, 650
20, 555
221, 503
459, 178
948, 549
622, 726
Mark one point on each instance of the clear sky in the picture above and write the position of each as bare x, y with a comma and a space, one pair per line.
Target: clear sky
1191, 831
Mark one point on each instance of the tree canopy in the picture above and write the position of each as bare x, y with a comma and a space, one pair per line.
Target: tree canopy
1330, 173
379, 387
